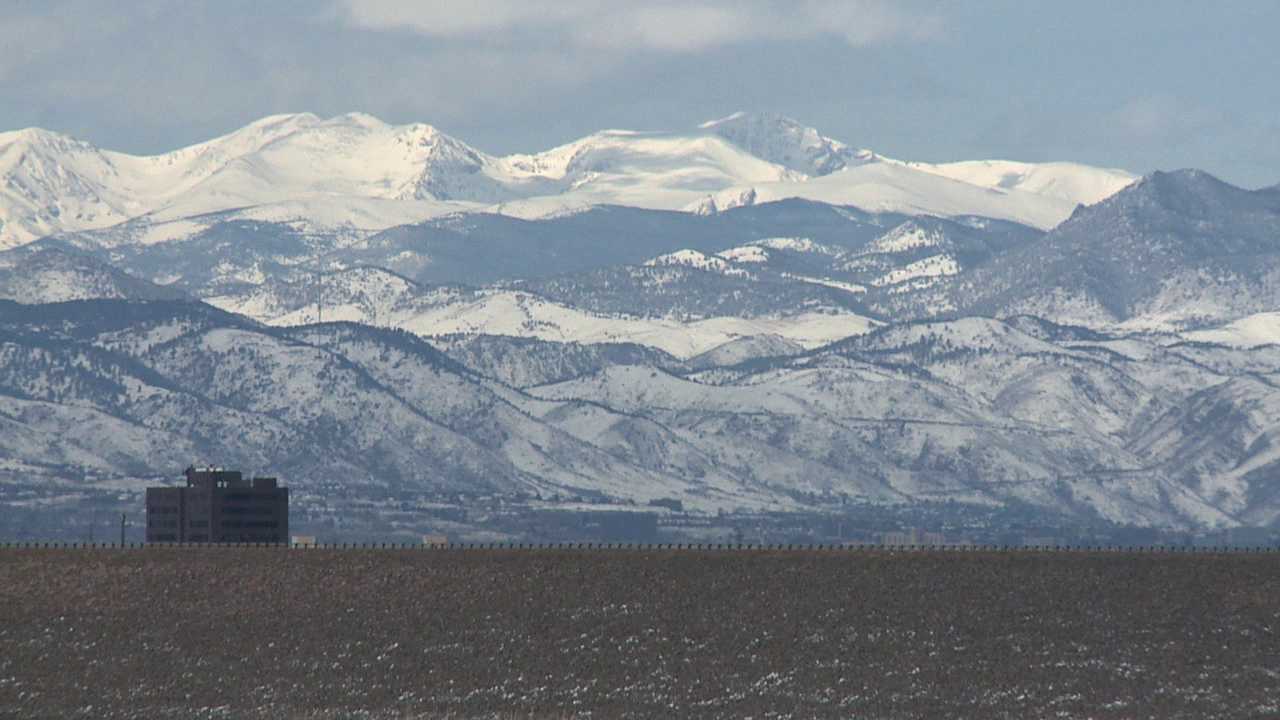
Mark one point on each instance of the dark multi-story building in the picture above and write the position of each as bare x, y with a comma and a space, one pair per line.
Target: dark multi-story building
218, 506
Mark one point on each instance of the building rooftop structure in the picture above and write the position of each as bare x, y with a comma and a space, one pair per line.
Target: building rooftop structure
219, 506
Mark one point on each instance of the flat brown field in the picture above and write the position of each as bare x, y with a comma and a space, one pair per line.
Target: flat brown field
273, 633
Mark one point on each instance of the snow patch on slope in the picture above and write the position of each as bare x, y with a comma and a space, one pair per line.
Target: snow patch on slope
1066, 181
745, 254
897, 187
907, 236
698, 261
1250, 331
934, 266
523, 315
795, 244
520, 314
828, 282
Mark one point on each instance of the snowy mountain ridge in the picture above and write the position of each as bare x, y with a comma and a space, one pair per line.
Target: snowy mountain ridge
1175, 252
356, 170
376, 297
1140, 429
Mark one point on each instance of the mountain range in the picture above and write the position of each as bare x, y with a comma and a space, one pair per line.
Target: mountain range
357, 173
743, 316
1150, 430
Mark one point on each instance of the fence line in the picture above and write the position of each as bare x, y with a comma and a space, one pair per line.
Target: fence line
596, 547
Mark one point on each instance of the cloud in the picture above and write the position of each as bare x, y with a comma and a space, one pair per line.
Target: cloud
1163, 118
449, 18
151, 73
1147, 117
32, 33
660, 25
28, 39
498, 54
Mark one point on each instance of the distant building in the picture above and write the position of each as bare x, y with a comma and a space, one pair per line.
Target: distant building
932, 538
602, 525
671, 504
218, 506
913, 536
898, 538
303, 541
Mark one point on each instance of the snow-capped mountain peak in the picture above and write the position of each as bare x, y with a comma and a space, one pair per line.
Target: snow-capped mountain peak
352, 168
37, 136
52, 181
784, 141
1188, 192
358, 119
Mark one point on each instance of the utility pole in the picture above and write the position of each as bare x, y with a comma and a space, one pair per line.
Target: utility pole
121, 529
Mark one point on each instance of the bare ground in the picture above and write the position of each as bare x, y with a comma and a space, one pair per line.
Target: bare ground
274, 633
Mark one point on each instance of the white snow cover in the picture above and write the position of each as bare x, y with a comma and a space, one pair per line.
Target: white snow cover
358, 214
507, 312
1250, 331
745, 254
837, 284
933, 266
356, 171
889, 186
163, 232
795, 244
512, 313
907, 236
56, 183
698, 261
786, 142
1071, 182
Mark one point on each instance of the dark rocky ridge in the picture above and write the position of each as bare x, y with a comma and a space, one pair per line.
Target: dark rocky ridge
1179, 242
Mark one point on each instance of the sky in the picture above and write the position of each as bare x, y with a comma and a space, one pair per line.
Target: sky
1139, 85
